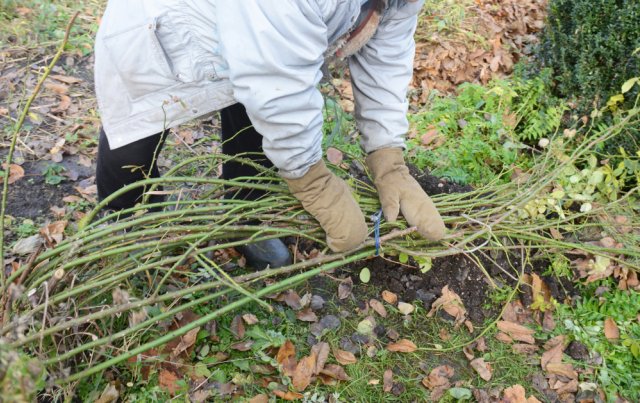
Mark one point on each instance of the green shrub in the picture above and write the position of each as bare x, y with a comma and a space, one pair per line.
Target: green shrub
593, 47
485, 131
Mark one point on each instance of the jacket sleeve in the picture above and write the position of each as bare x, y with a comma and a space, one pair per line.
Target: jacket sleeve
380, 74
274, 49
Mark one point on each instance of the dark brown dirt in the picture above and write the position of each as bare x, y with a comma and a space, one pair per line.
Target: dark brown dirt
31, 197
460, 272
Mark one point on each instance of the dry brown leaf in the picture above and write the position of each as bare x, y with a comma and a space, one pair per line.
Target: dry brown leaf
65, 103
438, 377
57, 88
237, 327
387, 381
58, 212
483, 368
503, 337
168, 381
429, 137
16, 172
307, 315
378, 307
287, 350
334, 156
303, 373
66, 79
406, 309
451, 303
242, 345
53, 233
526, 349
562, 369
468, 352
469, 326
611, 331
288, 395
555, 349
336, 372
261, 398
517, 394
389, 297
250, 319
110, 394
345, 287
402, 346
344, 357
292, 299
321, 351
516, 331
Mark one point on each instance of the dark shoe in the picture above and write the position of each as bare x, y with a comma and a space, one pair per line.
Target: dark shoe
270, 253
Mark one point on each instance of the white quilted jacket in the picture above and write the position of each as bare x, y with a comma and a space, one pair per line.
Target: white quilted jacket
160, 63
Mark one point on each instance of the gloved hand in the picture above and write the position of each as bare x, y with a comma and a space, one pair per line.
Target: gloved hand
400, 192
329, 200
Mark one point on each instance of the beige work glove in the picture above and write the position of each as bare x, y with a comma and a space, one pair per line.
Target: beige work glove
399, 192
329, 200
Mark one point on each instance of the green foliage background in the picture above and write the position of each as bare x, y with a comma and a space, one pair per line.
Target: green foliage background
593, 47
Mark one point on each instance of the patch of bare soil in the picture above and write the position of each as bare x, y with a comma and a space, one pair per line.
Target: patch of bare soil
462, 273
32, 197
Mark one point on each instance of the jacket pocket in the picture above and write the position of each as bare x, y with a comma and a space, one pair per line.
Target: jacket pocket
140, 59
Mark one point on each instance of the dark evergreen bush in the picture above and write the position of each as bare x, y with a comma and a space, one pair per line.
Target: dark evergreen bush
593, 47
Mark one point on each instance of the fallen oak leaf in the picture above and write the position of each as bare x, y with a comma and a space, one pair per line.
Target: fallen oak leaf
292, 299
517, 394
553, 355
438, 376
288, 395
321, 350
406, 309
304, 371
345, 288
378, 307
16, 172
402, 346
242, 345
483, 368
611, 331
387, 381
168, 382
261, 398
237, 327
335, 371
451, 303
516, 331
562, 369
334, 156
287, 350
250, 319
389, 297
307, 315
344, 357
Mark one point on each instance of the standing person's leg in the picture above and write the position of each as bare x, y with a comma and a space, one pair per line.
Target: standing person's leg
125, 165
239, 136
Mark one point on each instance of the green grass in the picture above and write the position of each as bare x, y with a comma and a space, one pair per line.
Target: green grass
619, 373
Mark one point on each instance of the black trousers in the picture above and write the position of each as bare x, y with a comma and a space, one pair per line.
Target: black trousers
137, 161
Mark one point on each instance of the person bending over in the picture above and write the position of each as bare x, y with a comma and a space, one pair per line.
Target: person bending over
160, 63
